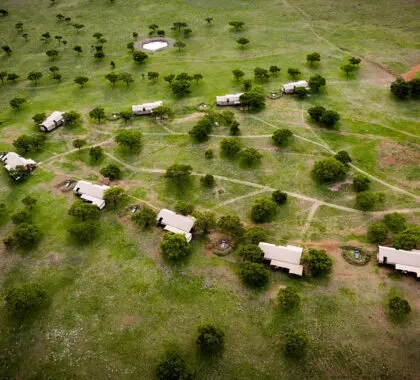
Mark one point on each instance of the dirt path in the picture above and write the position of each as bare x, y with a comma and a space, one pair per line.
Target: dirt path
409, 75
311, 215
232, 200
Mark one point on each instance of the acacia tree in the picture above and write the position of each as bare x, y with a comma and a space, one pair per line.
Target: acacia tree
96, 152
398, 308
261, 74
112, 78
178, 173
140, 56
282, 137
126, 77
230, 147
79, 143
360, 182
313, 58
111, 171
84, 211
174, 246
162, 112
274, 70
238, 74
81, 80
237, 25
29, 201
180, 45
347, 68
129, 139
197, 77
17, 102
71, 118
114, 195
242, 41
53, 54
78, 49
293, 72
316, 82
254, 274
97, 113
34, 76
153, 76
7, 49
180, 87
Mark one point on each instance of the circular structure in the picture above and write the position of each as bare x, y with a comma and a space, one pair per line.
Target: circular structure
355, 255
153, 45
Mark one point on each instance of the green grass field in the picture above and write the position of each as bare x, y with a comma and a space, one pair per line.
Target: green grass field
116, 305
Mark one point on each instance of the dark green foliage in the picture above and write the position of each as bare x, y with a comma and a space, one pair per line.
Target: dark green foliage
99, 55
112, 78
279, 197
296, 343
415, 87
17, 102
174, 246
72, 118
7, 49
184, 208
84, 211
22, 216
79, 143
247, 84
39, 118
301, 92
343, 157
251, 253
238, 74
360, 182
26, 235
398, 308
178, 173
316, 82
400, 88
377, 232
408, 239
19, 173
255, 275
329, 170
32, 143
317, 261
253, 98
261, 74
180, 45
282, 137
96, 153
78, 49
144, 218
231, 224
12, 77
169, 78
24, 299
347, 68
129, 139
255, 235
329, 118
163, 112
229, 147
210, 338
313, 57
204, 221
140, 56
173, 367
126, 115
81, 80
52, 53
396, 222
293, 72
234, 129
202, 129
180, 87
208, 180
83, 233
250, 156
114, 195
237, 25
274, 70
354, 61
288, 298
367, 200
111, 171
29, 201
127, 78
263, 210
153, 76
209, 154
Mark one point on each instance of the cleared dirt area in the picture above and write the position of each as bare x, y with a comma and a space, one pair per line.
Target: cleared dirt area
409, 75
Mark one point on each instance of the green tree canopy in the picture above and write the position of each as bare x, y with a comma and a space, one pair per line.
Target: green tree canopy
178, 173
263, 210
111, 171
360, 182
175, 246
84, 211
229, 147
329, 170
173, 367
377, 232
398, 308
396, 222
251, 253
114, 195
255, 235
288, 298
130, 139
210, 338
144, 218
279, 197
24, 299
296, 343
282, 137
231, 224
250, 156
255, 275
83, 232
317, 261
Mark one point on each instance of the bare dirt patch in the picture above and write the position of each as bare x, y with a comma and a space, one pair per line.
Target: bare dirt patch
391, 154
213, 247
337, 186
128, 320
411, 74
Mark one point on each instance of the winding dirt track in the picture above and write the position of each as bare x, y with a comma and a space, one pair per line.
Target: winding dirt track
411, 74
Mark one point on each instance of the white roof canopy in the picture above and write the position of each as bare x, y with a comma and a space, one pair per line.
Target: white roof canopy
403, 260
91, 193
12, 159
51, 121
283, 256
229, 98
176, 223
146, 107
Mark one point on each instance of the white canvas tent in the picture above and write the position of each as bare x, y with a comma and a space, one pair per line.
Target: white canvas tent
146, 108
287, 257
408, 261
289, 88
91, 193
12, 159
175, 223
53, 121
229, 100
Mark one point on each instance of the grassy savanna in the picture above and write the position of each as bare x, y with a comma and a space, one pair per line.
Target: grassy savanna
115, 304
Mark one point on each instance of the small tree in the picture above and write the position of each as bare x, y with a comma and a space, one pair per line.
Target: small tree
408, 239
163, 112
3, 76
169, 78
187, 32
78, 27
131, 140
400, 88
209, 154
111, 171
234, 129
39, 118
279, 197
210, 338
301, 92
46, 37
293, 72
396, 222
316, 82
313, 58
180, 45
197, 77
144, 218
153, 76
54, 69
140, 56
230, 147
34, 76
242, 41
184, 208
343, 157
98, 113
254, 98
29, 201
261, 74
126, 115
7, 49
20, 217
237, 25
78, 49
208, 181
17, 102
247, 83
19, 27
274, 70
251, 253
84, 211
112, 78
329, 118
354, 61
175, 246
296, 343
398, 308
255, 275
173, 367
263, 210
360, 182
58, 38
282, 137
317, 261
209, 20
180, 87
79, 143
53, 54
288, 298
250, 156
231, 224
114, 195
367, 200
255, 235
83, 233
329, 170
99, 55
96, 153
178, 173
238, 74
24, 299
126, 77
12, 77
72, 118
347, 68
81, 80
377, 232
27, 235
204, 221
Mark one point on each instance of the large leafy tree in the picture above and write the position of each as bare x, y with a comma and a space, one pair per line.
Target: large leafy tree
313, 58
173, 367
178, 173
396, 222
25, 299
255, 275
282, 137
144, 218
263, 210
296, 343
254, 98
251, 253
84, 211
111, 171
210, 338
131, 140
317, 261
231, 224
329, 170
97, 113
288, 298
230, 147
114, 195
175, 246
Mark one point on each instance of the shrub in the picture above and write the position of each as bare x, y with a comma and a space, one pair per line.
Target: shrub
173, 367
111, 171
204, 221
209, 154
263, 210
251, 253
208, 180
230, 147
144, 218
174, 246
255, 235
288, 298
377, 232
250, 156
255, 274
231, 224
27, 235
279, 197
361, 182
296, 343
343, 157
210, 338
329, 170
317, 261
96, 153
22, 216
24, 299
396, 222
282, 137
316, 112
366, 200
398, 308
83, 232
178, 173
408, 239
184, 208
329, 118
